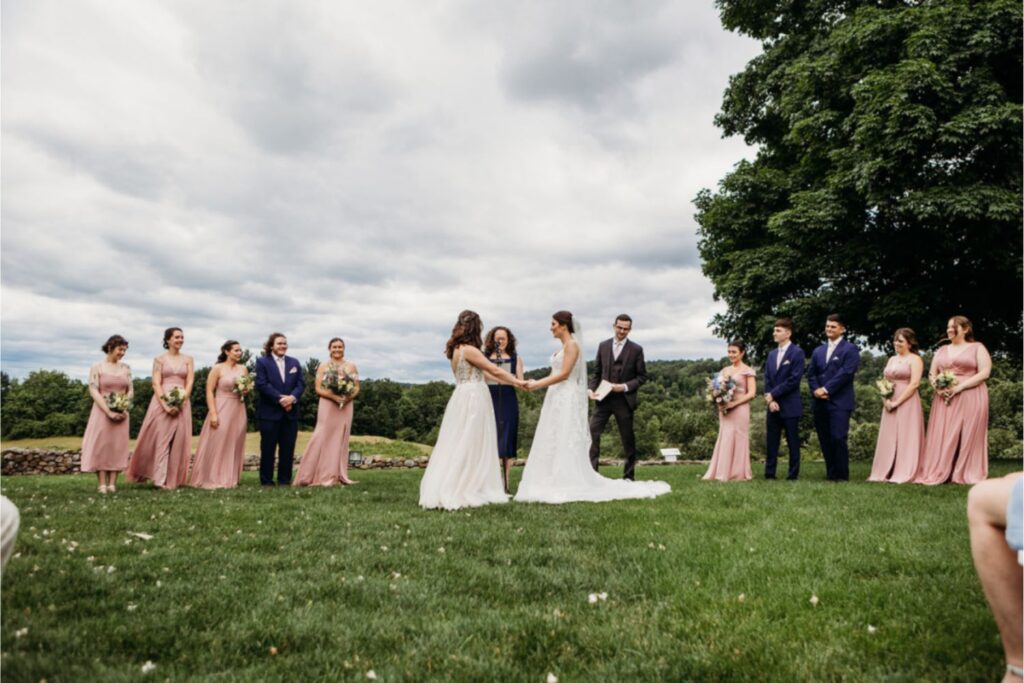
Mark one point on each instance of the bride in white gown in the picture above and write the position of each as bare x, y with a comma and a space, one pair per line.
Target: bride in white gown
463, 469
558, 469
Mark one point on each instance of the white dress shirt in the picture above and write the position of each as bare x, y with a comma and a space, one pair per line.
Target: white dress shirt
782, 352
617, 347
280, 366
831, 348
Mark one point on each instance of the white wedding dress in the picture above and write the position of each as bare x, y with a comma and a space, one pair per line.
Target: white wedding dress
464, 470
558, 469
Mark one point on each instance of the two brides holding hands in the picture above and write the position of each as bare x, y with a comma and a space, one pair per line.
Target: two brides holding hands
462, 472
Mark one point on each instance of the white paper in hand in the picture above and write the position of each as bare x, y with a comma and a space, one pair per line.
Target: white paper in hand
603, 389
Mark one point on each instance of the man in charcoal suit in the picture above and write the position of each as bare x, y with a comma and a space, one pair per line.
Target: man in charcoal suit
783, 371
620, 362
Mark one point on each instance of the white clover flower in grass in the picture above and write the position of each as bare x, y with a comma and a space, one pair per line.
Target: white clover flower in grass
872, 629
552, 678
371, 675
148, 666
742, 597
602, 596
814, 600
132, 608
21, 632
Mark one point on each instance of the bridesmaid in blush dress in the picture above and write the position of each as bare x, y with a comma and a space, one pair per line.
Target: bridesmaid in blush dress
901, 431
164, 444
105, 444
731, 459
956, 448
325, 462
221, 451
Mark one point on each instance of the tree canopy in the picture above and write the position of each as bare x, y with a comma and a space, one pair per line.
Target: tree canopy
887, 181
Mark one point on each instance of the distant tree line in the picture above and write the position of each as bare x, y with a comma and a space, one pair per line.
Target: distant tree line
672, 410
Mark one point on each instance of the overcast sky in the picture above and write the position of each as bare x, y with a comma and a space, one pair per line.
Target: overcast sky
358, 169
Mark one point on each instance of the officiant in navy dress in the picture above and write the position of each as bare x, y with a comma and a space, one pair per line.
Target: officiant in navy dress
830, 377
279, 384
783, 371
500, 349
621, 363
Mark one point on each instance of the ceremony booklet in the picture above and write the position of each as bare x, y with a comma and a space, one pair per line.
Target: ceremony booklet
603, 389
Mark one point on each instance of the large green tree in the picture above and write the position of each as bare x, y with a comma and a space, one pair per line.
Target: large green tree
887, 179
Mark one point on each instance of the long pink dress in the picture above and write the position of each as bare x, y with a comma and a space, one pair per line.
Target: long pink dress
731, 459
325, 462
105, 444
221, 451
164, 447
901, 432
957, 445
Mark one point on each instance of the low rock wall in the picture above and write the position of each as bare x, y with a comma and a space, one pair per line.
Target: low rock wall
18, 461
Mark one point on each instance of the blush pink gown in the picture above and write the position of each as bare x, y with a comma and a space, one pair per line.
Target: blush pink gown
105, 444
956, 449
221, 451
325, 462
900, 433
164, 447
731, 459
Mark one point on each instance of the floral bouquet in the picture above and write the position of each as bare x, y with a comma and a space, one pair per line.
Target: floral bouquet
720, 390
339, 382
175, 398
243, 385
119, 403
885, 387
944, 380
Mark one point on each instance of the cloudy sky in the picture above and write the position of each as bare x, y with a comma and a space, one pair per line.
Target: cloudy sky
356, 169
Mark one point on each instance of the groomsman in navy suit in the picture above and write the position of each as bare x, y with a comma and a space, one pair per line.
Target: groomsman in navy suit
830, 376
782, 374
280, 384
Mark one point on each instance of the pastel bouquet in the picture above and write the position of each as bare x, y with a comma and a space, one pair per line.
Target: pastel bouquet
175, 398
720, 390
943, 381
338, 381
243, 385
885, 387
119, 403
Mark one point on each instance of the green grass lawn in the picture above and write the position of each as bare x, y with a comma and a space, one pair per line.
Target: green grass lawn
712, 582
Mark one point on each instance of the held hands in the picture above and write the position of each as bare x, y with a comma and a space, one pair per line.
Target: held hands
821, 393
889, 405
774, 407
591, 395
619, 388
116, 417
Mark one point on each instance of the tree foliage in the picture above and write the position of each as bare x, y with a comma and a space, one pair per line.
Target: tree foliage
887, 182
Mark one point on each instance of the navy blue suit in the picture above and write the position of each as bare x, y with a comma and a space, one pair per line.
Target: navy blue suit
783, 384
832, 416
278, 427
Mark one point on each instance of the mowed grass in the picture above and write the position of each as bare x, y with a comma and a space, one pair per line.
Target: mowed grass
712, 582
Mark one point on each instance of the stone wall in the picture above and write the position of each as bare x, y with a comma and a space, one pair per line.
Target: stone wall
46, 461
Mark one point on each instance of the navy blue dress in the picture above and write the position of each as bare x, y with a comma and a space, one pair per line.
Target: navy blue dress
506, 411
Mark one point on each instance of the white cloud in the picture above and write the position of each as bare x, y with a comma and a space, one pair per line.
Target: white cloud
358, 170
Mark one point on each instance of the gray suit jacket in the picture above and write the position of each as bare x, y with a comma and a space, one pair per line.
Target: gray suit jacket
634, 369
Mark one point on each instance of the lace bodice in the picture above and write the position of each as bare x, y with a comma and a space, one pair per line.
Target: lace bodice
466, 373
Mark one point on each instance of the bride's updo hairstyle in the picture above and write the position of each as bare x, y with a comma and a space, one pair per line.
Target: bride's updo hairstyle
467, 330
564, 318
